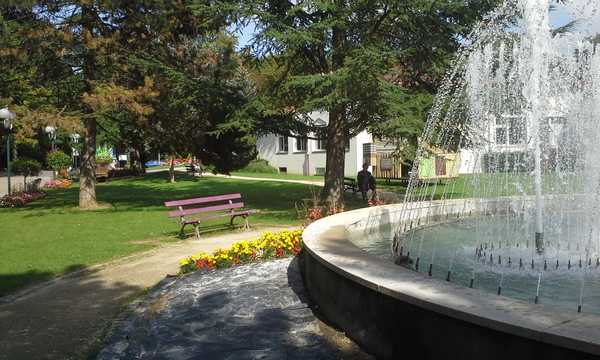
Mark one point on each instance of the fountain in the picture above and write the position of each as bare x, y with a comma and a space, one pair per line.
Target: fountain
520, 108
509, 251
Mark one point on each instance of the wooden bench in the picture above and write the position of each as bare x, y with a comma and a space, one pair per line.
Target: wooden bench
190, 169
350, 184
227, 205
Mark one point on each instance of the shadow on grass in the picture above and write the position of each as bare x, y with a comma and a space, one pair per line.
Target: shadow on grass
62, 320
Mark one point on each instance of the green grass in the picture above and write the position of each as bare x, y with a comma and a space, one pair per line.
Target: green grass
485, 185
52, 236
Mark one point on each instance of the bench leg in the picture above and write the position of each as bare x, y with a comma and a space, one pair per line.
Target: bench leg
181, 234
247, 225
197, 228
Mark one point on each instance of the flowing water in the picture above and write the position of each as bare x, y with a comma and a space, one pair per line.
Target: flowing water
519, 114
479, 253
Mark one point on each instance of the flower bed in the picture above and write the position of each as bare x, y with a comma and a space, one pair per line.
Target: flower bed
19, 199
268, 246
58, 184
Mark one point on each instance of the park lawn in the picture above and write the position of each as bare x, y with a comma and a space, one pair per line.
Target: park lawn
52, 236
484, 185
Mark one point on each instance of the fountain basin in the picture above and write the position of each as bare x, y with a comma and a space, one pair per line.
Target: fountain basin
392, 311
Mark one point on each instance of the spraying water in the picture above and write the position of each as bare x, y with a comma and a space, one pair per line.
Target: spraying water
521, 108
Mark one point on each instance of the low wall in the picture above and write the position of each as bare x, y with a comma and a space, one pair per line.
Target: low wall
394, 312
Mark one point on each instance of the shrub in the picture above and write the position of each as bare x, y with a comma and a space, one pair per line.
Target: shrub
20, 199
58, 160
117, 173
26, 167
103, 155
260, 166
58, 184
269, 245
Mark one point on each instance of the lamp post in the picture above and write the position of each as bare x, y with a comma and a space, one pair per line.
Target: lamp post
8, 117
74, 151
51, 131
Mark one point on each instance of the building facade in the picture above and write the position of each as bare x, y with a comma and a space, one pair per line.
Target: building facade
303, 156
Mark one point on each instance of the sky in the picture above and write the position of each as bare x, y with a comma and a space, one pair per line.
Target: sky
245, 35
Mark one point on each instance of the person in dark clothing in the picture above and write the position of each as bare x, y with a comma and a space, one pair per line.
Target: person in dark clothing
365, 181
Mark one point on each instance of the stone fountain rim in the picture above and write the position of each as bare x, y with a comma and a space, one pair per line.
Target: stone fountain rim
327, 241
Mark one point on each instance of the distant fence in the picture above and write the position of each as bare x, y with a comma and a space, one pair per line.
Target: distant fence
386, 166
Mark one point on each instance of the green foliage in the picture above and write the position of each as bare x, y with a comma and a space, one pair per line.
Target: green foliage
259, 166
58, 160
103, 155
377, 62
26, 167
355, 59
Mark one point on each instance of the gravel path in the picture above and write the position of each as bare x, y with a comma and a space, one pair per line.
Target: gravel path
256, 311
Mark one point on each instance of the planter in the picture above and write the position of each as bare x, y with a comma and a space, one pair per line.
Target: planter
102, 172
63, 174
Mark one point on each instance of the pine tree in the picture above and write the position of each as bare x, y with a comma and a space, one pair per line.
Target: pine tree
338, 56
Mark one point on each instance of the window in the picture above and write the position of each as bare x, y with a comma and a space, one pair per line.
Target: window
510, 130
301, 144
283, 144
321, 145
347, 144
283, 170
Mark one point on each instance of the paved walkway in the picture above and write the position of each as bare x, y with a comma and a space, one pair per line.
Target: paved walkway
62, 319
255, 311
306, 182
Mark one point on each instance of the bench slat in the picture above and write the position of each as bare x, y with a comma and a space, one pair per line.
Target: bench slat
185, 212
237, 213
203, 200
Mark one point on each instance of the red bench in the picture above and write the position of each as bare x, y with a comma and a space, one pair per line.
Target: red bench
227, 205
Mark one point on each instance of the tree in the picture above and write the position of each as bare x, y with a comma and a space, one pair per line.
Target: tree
201, 86
26, 168
354, 59
58, 160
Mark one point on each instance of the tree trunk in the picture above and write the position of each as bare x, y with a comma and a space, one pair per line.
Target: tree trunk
172, 170
142, 157
87, 178
333, 192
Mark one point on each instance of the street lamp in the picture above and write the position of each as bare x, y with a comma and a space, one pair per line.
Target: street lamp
74, 140
51, 131
8, 116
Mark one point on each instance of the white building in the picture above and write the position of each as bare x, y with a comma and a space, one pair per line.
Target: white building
511, 135
305, 156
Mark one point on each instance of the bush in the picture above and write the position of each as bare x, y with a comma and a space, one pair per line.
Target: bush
268, 246
103, 155
26, 167
58, 160
58, 184
20, 199
260, 166
117, 173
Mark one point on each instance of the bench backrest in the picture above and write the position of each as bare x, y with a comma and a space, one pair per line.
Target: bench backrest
205, 204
